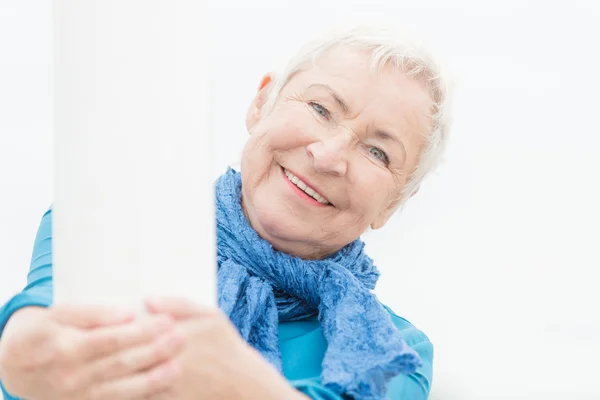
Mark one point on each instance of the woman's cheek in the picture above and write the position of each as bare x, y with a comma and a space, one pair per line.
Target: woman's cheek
295, 130
371, 193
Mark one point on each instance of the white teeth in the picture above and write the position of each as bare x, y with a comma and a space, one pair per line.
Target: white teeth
304, 187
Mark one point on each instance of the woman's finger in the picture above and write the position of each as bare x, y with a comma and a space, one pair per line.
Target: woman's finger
140, 385
108, 340
168, 394
178, 307
139, 358
86, 317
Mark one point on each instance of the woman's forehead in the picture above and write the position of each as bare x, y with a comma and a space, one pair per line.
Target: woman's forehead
388, 95
337, 62
350, 70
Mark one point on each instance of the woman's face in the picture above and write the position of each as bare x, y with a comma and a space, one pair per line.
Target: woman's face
330, 159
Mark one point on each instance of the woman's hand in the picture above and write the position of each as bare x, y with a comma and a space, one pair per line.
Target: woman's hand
216, 363
87, 353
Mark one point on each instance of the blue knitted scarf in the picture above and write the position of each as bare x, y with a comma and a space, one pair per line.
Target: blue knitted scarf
259, 286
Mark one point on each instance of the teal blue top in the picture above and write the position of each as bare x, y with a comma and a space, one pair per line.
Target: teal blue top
302, 343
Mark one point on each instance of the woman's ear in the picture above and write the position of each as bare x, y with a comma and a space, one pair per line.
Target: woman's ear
386, 214
382, 219
416, 191
254, 111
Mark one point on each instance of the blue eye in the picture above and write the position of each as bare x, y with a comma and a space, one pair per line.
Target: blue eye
322, 111
379, 154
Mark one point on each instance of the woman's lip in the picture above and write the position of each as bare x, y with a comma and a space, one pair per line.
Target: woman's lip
301, 192
303, 179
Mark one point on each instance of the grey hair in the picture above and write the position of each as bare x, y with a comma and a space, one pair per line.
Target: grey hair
400, 50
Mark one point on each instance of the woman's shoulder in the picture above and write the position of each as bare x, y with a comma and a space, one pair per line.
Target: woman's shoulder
410, 333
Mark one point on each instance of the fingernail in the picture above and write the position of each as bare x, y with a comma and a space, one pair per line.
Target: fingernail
163, 325
160, 328
154, 302
123, 315
169, 371
172, 341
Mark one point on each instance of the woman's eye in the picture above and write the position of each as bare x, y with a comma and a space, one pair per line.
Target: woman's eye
322, 111
379, 154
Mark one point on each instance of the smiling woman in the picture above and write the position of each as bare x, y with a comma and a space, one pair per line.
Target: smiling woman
337, 143
353, 136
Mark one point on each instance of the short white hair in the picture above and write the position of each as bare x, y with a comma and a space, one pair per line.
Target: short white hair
402, 51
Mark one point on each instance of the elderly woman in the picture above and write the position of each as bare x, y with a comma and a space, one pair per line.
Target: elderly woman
337, 144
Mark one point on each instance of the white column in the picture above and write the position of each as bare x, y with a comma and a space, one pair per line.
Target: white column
133, 213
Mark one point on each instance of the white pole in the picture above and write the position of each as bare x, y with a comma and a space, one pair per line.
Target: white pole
133, 212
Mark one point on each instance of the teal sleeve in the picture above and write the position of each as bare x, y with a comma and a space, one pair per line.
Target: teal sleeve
417, 385
314, 390
38, 291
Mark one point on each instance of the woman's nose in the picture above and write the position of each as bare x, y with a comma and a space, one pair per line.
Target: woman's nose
331, 155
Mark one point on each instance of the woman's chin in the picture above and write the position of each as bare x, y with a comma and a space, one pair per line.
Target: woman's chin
278, 224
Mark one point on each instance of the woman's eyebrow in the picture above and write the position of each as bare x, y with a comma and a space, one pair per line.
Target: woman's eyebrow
384, 135
336, 96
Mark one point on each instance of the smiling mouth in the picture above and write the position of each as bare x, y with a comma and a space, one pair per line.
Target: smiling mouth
305, 188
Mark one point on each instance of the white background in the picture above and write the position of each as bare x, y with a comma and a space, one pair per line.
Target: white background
495, 258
